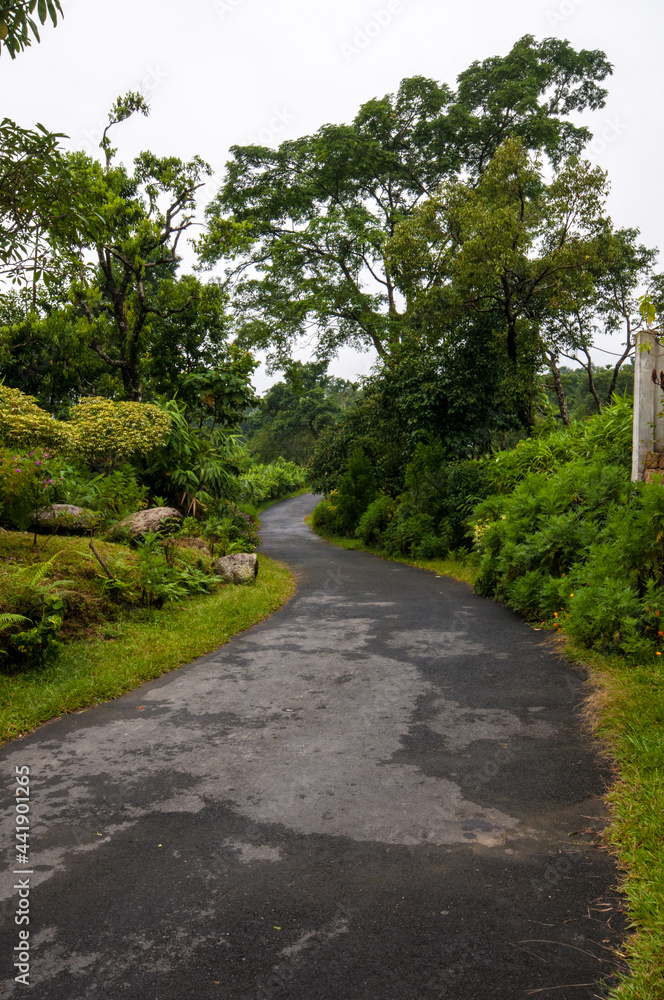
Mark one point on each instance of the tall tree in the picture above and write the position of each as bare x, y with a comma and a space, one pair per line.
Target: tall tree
306, 224
42, 206
612, 307
511, 248
145, 214
41, 201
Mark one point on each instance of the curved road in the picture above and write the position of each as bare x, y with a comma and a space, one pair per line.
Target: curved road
380, 793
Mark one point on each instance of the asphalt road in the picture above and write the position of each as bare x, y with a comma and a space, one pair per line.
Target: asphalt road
383, 792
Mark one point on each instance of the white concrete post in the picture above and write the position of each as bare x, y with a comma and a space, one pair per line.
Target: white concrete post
648, 402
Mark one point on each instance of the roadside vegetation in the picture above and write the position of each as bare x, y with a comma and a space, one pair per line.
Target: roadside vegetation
125, 651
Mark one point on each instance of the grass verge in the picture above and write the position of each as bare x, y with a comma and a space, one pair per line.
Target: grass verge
459, 569
125, 654
626, 712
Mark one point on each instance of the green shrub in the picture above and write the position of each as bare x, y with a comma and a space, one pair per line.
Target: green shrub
326, 516
432, 546
244, 533
607, 436
27, 484
430, 517
40, 643
448, 491
376, 519
414, 534
547, 524
104, 431
24, 425
39, 601
577, 542
164, 576
100, 430
227, 527
119, 494
269, 482
114, 494
357, 488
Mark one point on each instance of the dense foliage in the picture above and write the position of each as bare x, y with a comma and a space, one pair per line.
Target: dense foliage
570, 538
561, 533
293, 414
262, 483
311, 218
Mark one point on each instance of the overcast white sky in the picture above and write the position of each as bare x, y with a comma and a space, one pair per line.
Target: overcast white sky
220, 72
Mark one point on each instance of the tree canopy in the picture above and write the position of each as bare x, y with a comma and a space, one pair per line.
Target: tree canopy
512, 248
304, 227
122, 322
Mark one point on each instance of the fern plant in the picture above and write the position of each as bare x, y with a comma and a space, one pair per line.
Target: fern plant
43, 600
7, 620
38, 586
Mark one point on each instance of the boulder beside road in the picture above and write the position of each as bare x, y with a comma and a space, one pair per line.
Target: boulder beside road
138, 524
240, 567
67, 518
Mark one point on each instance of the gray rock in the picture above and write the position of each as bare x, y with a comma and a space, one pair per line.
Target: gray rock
240, 567
67, 518
138, 524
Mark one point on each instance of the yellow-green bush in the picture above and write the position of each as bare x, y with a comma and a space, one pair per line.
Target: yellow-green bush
100, 430
105, 431
23, 424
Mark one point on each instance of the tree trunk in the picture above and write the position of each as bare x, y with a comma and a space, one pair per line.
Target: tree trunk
560, 390
591, 382
526, 416
131, 383
525, 411
616, 371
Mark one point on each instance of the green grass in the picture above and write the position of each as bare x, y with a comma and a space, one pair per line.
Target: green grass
88, 603
459, 569
626, 712
127, 653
